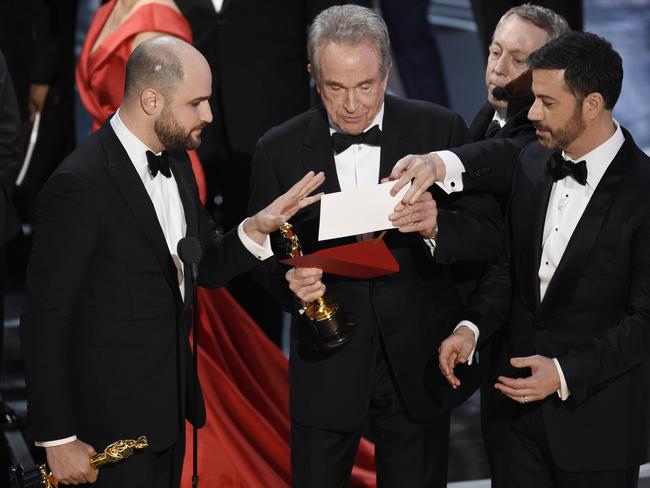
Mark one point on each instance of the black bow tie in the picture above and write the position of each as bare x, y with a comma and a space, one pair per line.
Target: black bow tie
560, 168
159, 163
341, 141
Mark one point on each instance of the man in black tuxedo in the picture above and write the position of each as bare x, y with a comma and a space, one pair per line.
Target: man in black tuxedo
520, 31
572, 286
105, 323
384, 374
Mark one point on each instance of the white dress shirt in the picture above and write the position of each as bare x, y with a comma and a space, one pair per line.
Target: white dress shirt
566, 205
169, 210
358, 166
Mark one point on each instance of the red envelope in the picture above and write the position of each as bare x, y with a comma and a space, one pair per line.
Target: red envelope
364, 260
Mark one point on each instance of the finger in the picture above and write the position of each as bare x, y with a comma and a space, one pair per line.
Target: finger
399, 184
304, 286
526, 362
310, 297
301, 273
517, 392
517, 382
448, 361
312, 184
400, 167
305, 202
299, 186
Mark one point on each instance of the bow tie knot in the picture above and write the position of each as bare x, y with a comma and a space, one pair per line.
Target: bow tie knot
560, 168
159, 164
341, 141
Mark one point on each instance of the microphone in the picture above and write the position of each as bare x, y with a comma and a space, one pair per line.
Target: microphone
518, 93
189, 250
500, 93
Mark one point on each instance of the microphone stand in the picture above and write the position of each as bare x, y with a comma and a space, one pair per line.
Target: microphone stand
195, 368
189, 251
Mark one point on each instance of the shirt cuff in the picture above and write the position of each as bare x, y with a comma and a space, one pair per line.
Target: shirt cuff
563, 392
56, 442
454, 170
476, 332
260, 252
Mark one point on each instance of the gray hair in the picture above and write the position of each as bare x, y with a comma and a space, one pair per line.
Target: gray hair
154, 64
546, 19
352, 25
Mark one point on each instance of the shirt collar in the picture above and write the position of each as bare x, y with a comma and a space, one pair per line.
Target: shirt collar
135, 148
378, 120
501, 120
599, 158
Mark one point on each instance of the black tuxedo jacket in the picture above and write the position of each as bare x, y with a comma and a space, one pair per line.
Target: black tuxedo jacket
104, 329
595, 315
517, 124
415, 308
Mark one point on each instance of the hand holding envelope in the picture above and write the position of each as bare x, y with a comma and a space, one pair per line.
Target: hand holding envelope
354, 213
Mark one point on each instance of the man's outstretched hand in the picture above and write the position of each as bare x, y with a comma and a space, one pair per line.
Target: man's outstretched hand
422, 169
284, 207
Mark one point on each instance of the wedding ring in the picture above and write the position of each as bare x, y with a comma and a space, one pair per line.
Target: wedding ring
524, 399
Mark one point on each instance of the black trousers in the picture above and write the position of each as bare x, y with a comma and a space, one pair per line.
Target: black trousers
407, 453
145, 470
524, 460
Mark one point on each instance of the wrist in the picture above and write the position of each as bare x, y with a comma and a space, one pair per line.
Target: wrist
251, 229
438, 167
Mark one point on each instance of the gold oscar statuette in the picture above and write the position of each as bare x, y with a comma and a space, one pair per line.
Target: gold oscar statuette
330, 326
116, 452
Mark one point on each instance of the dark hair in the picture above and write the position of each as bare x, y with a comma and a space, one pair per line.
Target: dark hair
589, 62
153, 64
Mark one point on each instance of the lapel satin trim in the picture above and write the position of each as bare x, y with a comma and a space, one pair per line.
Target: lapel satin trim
128, 183
316, 151
189, 209
392, 135
480, 123
530, 258
569, 271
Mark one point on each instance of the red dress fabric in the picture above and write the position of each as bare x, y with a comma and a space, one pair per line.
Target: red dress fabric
100, 73
246, 440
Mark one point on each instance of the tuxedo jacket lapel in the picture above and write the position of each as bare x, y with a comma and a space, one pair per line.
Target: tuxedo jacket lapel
480, 123
392, 139
128, 183
531, 257
316, 151
176, 160
565, 279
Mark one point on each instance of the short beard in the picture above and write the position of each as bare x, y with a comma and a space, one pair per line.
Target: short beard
562, 138
172, 136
